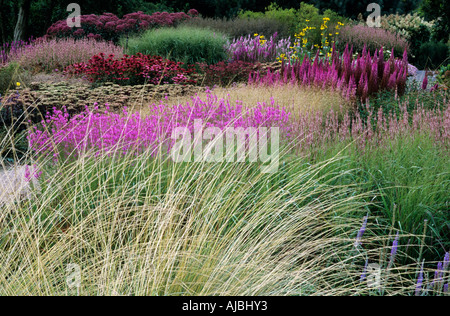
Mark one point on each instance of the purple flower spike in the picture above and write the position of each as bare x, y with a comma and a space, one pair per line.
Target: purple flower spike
361, 231
446, 261
419, 282
363, 275
394, 249
425, 82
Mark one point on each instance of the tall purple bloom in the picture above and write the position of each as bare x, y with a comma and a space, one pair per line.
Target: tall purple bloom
394, 249
425, 82
446, 261
361, 231
419, 282
364, 273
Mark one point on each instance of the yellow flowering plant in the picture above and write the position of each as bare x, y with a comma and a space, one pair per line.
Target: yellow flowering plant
303, 45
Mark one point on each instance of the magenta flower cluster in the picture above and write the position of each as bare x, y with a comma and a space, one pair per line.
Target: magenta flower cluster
248, 49
109, 27
8, 50
102, 131
360, 77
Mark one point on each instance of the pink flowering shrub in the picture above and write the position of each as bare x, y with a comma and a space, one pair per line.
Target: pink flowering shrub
105, 131
356, 77
109, 27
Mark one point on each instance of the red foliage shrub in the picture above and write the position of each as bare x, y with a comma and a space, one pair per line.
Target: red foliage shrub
135, 69
224, 73
109, 27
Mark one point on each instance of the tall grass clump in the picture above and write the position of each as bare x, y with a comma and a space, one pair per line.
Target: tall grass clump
183, 44
56, 54
141, 225
373, 38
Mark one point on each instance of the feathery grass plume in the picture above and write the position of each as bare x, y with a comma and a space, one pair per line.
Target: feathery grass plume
48, 55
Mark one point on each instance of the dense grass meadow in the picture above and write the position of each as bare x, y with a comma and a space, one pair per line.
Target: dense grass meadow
290, 152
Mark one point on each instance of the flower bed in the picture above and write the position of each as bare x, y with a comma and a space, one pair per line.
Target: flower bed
135, 69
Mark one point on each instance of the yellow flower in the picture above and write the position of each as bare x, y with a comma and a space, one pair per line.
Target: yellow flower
262, 36
256, 34
18, 84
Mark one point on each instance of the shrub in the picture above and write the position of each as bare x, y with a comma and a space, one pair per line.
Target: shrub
56, 54
405, 25
310, 19
136, 69
183, 44
241, 26
374, 38
444, 75
109, 27
274, 12
226, 73
431, 55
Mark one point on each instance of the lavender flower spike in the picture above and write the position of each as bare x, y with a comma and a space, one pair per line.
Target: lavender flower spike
394, 249
419, 282
361, 231
446, 261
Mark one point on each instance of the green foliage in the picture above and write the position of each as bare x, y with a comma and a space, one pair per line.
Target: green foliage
437, 10
10, 75
431, 55
408, 180
444, 75
242, 26
183, 44
274, 12
390, 103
